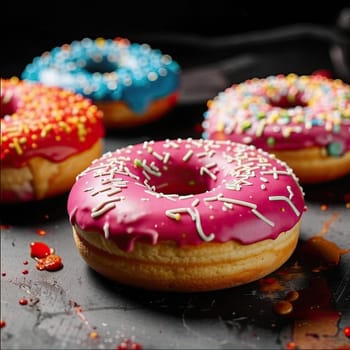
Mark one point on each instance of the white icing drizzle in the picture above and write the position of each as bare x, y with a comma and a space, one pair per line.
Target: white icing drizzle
186, 196
263, 218
202, 154
196, 143
253, 206
237, 201
129, 173
286, 199
149, 169
157, 155
97, 213
235, 184
199, 228
169, 143
205, 170
88, 189
195, 202
114, 191
145, 174
187, 156
175, 213
276, 172
164, 184
106, 229
162, 195
211, 165
103, 204
166, 157
214, 198
195, 216
100, 191
228, 205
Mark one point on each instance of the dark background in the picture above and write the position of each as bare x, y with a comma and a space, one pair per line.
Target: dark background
30, 28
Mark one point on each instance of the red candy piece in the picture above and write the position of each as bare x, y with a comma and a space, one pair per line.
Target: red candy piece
39, 250
323, 72
51, 262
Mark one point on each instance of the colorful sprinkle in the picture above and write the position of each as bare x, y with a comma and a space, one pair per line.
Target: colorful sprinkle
32, 129
283, 112
108, 70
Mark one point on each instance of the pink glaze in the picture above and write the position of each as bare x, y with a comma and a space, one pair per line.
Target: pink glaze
187, 191
43, 121
283, 112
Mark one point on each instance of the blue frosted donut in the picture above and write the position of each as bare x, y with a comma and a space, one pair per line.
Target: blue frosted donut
131, 83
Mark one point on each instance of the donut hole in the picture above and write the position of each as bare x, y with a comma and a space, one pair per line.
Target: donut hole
9, 104
181, 182
288, 101
103, 65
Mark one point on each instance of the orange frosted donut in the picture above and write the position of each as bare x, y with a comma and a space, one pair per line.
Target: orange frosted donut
186, 215
303, 120
48, 136
131, 83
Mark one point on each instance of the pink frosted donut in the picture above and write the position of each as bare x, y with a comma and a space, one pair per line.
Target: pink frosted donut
186, 215
304, 120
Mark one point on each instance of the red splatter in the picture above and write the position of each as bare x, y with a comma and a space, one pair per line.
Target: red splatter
321, 254
2, 323
41, 232
39, 250
45, 257
51, 262
324, 207
347, 331
128, 344
93, 335
291, 346
23, 301
25, 272
315, 320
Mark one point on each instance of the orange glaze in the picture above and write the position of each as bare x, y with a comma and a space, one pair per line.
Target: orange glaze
43, 121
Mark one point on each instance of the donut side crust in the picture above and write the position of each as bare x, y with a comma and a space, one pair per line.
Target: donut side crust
117, 114
42, 178
168, 267
313, 165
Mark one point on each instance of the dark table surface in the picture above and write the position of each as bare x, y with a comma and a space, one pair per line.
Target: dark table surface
75, 308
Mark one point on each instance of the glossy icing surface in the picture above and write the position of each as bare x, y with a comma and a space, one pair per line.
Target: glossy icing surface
283, 112
188, 191
108, 70
42, 121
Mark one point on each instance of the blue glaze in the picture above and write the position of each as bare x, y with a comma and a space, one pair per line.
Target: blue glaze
108, 70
